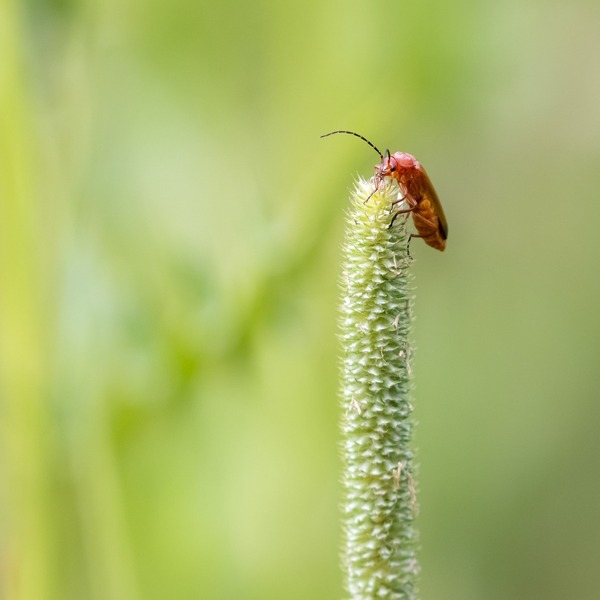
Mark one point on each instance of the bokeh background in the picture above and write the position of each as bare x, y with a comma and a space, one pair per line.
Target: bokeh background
170, 225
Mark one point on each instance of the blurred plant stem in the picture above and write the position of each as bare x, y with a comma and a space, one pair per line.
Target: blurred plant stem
64, 532
379, 505
26, 556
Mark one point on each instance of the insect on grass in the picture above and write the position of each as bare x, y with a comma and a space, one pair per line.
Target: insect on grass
417, 191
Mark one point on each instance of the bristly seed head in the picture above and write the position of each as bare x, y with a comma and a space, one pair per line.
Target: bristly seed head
380, 493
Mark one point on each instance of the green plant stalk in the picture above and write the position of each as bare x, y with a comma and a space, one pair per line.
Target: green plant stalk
379, 506
28, 555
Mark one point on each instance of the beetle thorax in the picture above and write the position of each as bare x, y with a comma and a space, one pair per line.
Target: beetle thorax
400, 166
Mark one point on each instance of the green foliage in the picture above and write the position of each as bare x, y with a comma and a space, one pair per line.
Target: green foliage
170, 227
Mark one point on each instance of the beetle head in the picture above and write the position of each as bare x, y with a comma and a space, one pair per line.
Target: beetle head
399, 165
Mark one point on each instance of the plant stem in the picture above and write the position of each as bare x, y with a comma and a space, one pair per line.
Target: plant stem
379, 555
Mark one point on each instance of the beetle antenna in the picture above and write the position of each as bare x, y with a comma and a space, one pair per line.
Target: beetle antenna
358, 136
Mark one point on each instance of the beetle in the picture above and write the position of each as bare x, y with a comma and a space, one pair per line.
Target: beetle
417, 191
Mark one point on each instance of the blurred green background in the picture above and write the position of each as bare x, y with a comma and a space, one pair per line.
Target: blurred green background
170, 225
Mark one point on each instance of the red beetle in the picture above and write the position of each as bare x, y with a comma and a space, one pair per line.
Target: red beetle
417, 191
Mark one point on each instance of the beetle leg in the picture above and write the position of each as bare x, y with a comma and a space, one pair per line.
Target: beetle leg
404, 211
401, 212
369, 196
410, 237
427, 222
377, 183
